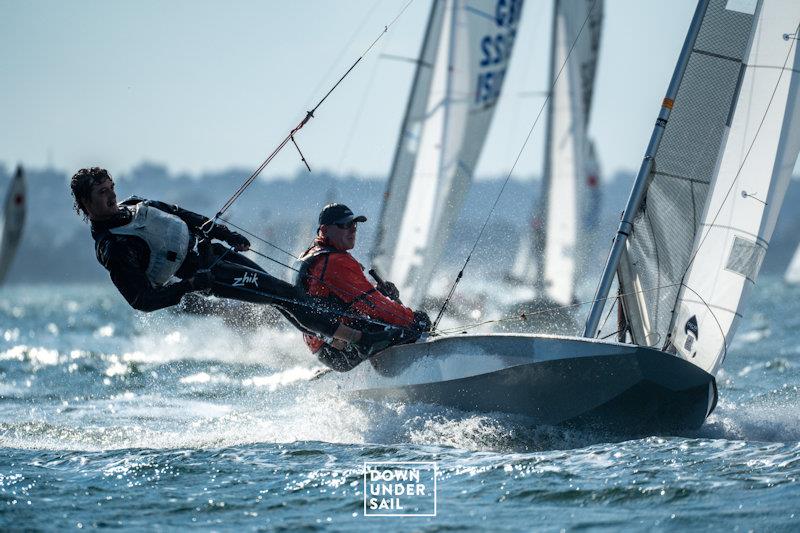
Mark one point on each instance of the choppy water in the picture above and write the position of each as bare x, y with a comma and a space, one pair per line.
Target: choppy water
112, 418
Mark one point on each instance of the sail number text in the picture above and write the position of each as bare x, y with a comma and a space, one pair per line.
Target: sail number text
495, 49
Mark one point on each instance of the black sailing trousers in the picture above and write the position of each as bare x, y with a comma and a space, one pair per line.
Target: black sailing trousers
239, 278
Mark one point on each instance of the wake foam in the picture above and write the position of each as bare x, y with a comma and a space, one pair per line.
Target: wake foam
774, 417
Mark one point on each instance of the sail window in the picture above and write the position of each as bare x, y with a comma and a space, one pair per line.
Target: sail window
745, 258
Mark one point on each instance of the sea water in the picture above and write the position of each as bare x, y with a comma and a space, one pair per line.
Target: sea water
110, 417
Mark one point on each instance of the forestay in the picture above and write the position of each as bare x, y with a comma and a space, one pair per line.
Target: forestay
719, 178
459, 76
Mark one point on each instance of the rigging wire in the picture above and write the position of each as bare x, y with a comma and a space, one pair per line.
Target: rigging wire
610, 310
368, 90
228, 222
290, 136
342, 51
538, 311
324, 283
510, 172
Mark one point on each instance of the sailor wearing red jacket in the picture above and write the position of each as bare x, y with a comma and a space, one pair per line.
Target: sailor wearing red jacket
326, 270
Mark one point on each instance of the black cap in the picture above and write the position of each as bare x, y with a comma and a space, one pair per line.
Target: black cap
338, 214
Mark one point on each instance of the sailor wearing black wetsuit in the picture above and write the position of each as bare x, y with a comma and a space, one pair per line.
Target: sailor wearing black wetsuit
151, 251
148, 243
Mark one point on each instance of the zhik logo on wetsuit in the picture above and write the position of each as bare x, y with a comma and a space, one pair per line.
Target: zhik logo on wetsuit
244, 280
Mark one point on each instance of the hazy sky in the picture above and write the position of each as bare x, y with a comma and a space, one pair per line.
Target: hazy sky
205, 85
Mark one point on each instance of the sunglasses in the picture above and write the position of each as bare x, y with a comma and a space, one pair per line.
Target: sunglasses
349, 225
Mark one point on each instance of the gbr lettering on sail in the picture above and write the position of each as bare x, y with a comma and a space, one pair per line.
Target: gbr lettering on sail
495, 50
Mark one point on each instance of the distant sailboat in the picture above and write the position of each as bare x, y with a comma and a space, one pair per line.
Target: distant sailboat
459, 75
693, 235
12, 222
792, 274
549, 254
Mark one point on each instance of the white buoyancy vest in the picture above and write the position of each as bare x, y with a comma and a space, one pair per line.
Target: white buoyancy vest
166, 235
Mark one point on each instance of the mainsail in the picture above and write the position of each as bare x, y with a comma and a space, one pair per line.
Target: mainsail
569, 157
460, 72
718, 180
12, 221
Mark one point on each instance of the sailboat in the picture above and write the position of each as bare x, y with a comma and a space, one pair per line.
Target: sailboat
548, 257
458, 80
792, 274
12, 221
690, 244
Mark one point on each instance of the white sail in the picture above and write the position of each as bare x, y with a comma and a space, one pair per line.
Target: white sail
748, 189
523, 270
458, 81
720, 175
792, 274
559, 215
12, 221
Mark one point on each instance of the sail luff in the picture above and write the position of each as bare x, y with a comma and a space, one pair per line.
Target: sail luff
415, 225
406, 151
476, 38
443, 193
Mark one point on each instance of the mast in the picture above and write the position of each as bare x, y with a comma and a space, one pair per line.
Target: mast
640, 184
398, 153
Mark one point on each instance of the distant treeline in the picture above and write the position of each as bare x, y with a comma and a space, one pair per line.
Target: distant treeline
57, 246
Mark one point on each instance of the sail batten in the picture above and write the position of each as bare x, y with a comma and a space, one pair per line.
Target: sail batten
12, 220
719, 177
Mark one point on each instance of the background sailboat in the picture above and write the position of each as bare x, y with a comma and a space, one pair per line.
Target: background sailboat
551, 254
792, 274
12, 221
459, 76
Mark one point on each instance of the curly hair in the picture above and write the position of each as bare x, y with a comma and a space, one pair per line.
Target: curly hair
81, 185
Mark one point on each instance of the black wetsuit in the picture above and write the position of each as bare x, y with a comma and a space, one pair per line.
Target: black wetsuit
126, 258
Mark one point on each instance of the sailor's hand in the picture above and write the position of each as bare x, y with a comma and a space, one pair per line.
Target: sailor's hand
202, 280
390, 290
239, 242
422, 322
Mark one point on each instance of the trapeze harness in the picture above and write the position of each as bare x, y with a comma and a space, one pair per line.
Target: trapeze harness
170, 239
166, 235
